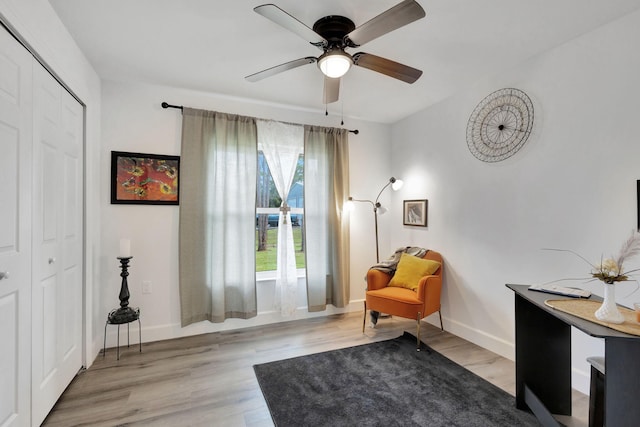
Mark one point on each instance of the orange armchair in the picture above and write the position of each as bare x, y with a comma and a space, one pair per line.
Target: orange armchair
404, 302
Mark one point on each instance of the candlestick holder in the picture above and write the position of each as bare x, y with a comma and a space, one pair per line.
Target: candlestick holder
124, 314
124, 288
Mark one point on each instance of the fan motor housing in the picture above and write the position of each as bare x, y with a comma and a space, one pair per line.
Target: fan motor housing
334, 28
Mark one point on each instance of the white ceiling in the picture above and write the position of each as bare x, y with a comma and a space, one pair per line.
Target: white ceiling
211, 45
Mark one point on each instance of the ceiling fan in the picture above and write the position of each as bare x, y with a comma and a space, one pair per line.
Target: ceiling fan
333, 34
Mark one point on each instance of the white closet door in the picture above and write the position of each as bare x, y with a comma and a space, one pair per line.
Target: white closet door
15, 231
57, 242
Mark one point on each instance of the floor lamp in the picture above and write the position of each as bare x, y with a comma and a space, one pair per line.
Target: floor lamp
395, 184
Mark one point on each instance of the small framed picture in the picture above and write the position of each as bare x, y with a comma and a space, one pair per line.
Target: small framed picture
415, 212
144, 179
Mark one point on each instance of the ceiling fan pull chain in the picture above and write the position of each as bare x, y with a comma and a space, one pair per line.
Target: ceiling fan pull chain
342, 109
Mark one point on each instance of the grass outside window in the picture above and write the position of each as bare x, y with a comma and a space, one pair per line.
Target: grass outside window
267, 260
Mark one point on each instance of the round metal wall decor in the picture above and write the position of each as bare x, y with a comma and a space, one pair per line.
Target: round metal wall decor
500, 125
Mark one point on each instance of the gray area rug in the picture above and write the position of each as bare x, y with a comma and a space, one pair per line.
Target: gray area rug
386, 383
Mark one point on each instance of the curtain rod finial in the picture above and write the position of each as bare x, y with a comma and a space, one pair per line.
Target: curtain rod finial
167, 105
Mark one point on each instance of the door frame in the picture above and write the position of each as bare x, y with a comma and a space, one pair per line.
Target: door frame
88, 345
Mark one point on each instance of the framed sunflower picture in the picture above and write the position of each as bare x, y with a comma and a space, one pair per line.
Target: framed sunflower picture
144, 179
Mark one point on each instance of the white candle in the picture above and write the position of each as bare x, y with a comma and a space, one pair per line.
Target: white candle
125, 248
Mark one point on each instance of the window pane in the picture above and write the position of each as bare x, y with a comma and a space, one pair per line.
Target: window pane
267, 193
268, 209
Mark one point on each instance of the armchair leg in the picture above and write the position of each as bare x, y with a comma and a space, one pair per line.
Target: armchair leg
418, 334
364, 318
441, 326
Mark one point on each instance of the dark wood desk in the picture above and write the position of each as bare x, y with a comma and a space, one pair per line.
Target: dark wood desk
543, 361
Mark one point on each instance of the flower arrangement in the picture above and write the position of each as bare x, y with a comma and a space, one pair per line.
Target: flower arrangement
610, 270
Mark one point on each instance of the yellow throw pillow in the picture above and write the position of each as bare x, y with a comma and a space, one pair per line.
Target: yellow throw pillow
411, 269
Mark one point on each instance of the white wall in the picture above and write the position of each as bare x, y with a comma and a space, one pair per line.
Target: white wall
572, 186
133, 120
36, 24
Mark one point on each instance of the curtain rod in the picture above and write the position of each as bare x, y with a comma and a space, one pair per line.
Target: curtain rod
179, 107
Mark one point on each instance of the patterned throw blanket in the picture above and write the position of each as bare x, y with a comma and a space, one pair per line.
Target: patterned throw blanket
390, 265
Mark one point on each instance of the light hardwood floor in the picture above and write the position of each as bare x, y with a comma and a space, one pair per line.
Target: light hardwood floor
208, 380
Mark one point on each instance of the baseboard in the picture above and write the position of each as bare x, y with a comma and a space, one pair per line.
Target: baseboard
499, 346
175, 330
580, 380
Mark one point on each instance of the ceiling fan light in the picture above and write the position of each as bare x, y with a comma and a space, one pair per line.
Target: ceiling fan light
335, 64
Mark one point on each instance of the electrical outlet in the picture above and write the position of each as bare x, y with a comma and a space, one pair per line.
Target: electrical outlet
146, 287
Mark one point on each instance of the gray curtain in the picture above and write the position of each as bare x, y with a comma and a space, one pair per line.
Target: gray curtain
217, 216
326, 188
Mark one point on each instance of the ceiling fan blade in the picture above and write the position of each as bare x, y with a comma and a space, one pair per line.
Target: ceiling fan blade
386, 66
331, 90
280, 68
398, 16
289, 22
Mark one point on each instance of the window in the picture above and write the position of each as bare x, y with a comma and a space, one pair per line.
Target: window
268, 204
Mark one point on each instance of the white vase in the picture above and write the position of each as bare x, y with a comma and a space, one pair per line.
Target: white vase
608, 311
